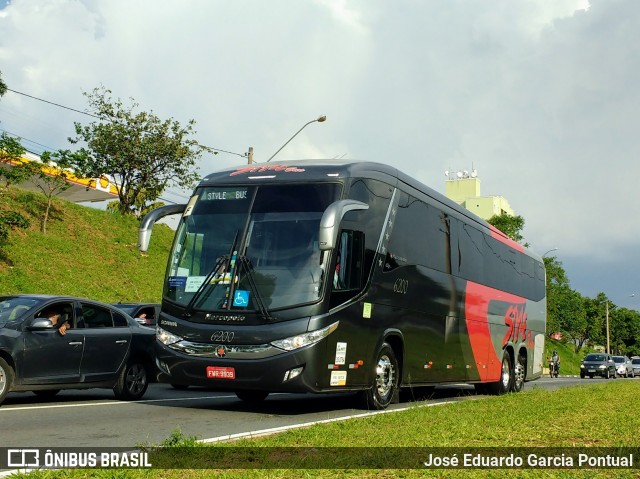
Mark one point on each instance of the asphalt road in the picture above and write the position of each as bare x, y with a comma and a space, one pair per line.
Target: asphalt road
94, 418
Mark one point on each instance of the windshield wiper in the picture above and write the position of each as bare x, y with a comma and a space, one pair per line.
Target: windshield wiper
207, 280
248, 267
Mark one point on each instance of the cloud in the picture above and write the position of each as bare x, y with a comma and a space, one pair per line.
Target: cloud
539, 96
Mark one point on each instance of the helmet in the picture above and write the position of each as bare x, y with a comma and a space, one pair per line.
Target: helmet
555, 352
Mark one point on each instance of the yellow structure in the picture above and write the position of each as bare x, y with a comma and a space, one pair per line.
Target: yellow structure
80, 189
464, 188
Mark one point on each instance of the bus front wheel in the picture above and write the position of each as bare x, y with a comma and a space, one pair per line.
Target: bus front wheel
385, 384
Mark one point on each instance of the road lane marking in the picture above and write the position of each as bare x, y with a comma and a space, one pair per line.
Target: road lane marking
110, 403
276, 430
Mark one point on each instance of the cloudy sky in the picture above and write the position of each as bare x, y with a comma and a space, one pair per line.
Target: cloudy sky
540, 96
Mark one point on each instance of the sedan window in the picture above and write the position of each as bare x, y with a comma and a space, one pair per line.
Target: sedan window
595, 357
13, 308
119, 320
96, 317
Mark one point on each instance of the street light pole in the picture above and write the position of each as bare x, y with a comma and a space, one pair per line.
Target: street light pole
607, 316
552, 249
319, 120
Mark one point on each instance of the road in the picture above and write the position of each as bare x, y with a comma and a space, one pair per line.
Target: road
94, 418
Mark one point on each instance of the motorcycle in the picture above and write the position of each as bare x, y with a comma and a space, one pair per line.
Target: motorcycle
554, 368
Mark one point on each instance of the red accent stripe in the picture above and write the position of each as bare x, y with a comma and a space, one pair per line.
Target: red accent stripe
477, 300
500, 236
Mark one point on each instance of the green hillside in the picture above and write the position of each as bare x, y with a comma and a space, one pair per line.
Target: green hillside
86, 252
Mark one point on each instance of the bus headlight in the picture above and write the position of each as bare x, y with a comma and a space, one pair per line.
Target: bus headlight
167, 338
302, 340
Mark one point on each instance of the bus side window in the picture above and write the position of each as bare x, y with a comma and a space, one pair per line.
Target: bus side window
349, 259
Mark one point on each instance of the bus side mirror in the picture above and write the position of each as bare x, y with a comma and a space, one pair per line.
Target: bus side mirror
144, 233
331, 218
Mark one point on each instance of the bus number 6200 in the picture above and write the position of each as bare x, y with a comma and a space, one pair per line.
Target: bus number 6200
401, 286
222, 336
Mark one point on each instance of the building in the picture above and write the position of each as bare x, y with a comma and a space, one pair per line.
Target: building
80, 189
464, 188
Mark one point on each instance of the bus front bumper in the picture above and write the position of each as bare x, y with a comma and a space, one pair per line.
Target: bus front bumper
292, 371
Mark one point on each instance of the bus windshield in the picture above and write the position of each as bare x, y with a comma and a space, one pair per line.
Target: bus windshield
250, 248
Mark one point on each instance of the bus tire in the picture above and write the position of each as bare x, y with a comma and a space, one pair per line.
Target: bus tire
6, 379
519, 373
384, 389
252, 396
505, 383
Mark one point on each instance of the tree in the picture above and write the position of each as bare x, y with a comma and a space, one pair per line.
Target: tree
595, 308
572, 316
141, 153
11, 151
565, 307
509, 225
3, 86
50, 178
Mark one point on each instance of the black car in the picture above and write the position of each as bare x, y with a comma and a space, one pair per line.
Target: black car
93, 345
144, 313
635, 364
598, 364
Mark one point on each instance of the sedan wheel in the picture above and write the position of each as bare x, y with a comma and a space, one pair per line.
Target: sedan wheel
133, 382
6, 379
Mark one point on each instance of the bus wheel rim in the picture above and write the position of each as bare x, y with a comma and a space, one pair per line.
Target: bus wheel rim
506, 374
384, 376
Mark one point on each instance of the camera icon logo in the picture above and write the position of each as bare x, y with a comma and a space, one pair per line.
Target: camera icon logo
23, 458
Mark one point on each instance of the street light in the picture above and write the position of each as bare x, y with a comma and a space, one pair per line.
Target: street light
552, 249
319, 120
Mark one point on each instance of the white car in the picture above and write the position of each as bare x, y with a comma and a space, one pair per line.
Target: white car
623, 366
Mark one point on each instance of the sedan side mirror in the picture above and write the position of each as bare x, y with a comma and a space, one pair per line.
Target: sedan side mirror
38, 324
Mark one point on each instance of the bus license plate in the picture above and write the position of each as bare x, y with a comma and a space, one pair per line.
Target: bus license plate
214, 372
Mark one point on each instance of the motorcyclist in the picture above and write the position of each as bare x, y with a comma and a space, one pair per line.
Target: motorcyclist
555, 361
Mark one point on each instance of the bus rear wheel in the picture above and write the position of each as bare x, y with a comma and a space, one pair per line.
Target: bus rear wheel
505, 383
519, 373
385, 384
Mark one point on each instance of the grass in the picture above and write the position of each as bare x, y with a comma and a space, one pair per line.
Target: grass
582, 417
569, 360
86, 252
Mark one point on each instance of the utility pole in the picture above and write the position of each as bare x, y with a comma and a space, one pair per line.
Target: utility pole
250, 155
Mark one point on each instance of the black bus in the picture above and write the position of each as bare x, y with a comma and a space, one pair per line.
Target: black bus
325, 276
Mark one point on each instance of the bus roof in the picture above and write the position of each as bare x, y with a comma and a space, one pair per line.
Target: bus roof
326, 170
